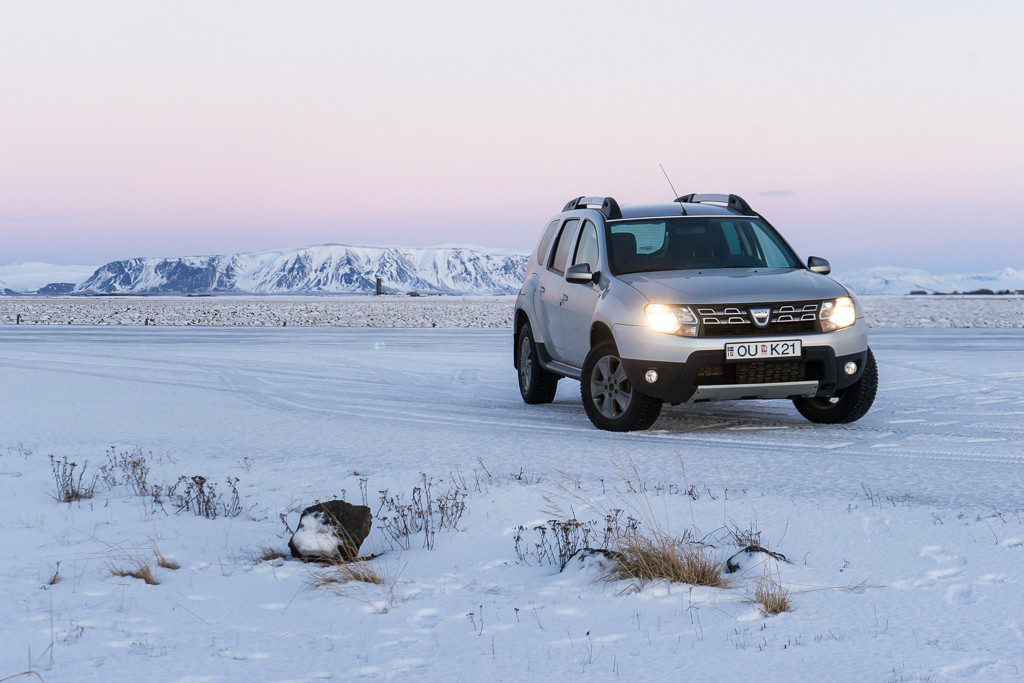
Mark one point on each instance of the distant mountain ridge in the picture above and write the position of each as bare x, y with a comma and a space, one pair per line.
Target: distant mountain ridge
353, 269
895, 280
329, 268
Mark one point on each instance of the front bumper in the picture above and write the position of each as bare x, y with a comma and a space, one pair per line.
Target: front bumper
678, 360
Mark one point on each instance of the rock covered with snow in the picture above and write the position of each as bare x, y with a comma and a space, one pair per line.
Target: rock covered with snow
331, 531
591, 559
754, 557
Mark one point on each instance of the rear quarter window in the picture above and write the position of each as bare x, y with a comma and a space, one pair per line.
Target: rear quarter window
545, 241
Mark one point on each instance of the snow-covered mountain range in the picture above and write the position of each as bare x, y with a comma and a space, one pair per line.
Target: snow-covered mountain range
346, 268
895, 280
329, 268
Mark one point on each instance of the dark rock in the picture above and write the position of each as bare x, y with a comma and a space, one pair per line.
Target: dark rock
331, 531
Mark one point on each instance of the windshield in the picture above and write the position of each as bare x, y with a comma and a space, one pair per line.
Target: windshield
688, 243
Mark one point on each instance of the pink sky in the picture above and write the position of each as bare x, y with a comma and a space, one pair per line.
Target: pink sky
885, 133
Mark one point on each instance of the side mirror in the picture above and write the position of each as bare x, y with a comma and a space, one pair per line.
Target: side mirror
819, 265
580, 274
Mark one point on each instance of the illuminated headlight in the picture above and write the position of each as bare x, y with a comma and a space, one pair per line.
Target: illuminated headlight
837, 314
671, 319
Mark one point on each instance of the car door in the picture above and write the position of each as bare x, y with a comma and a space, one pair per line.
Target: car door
580, 299
549, 289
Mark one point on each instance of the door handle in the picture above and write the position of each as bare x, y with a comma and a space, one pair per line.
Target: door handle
541, 289
565, 297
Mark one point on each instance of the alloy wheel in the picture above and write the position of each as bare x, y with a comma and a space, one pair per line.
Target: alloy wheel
610, 388
525, 363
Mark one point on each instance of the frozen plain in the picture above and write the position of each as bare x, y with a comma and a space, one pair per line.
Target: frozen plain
905, 530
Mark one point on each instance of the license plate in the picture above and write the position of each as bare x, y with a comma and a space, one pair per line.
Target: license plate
792, 348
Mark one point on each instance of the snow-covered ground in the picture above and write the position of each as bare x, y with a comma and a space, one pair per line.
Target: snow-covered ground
905, 531
445, 311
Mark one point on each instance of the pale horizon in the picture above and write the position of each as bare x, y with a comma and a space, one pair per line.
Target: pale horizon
881, 134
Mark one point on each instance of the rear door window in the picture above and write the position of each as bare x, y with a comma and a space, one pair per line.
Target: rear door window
565, 238
586, 250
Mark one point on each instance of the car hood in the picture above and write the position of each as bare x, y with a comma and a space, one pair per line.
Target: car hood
734, 286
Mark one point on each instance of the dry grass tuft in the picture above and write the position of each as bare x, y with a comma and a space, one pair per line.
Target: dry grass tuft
660, 556
55, 577
772, 597
337, 574
140, 571
70, 481
165, 562
268, 554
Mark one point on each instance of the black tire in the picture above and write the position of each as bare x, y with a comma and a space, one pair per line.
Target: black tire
616, 405
536, 384
849, 405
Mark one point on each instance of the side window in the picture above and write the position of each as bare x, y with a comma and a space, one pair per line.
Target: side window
561, 256
586, 250
545, 242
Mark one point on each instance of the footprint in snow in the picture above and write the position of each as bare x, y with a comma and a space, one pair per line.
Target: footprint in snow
960, 594
939, 574
425, 618
941, 556
966, 668
993, 578
1015, 542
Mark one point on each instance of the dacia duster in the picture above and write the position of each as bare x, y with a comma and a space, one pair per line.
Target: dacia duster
696, 300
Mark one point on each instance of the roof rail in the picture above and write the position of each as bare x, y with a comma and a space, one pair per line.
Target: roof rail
606, 205
731, 201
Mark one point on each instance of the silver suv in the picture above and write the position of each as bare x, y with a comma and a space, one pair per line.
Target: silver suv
697, 300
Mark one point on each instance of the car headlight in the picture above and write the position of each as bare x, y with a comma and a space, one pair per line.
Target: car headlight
837, 314
671, 319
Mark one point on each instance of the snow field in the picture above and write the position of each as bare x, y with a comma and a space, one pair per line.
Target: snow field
367, 311
871, 578
905, 531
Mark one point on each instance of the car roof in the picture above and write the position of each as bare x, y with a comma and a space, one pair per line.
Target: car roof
685, 205
674, 209
630, 211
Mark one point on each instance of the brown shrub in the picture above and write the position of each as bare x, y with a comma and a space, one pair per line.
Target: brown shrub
772, 597
143, 572
645, 558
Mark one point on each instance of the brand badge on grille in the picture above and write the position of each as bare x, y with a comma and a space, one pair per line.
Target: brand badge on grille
761, 316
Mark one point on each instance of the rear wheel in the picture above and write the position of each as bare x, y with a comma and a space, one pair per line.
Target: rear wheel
610, 399
848, 405
536, 384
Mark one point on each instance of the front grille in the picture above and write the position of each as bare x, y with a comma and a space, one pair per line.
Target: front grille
756, 372
735, 320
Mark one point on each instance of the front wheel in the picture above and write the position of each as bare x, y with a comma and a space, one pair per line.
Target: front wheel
610, 399
848, 405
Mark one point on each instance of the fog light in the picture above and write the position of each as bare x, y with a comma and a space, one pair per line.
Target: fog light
850, 368
651, 376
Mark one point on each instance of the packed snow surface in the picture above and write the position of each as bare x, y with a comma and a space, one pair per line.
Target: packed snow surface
904, 531
451, 311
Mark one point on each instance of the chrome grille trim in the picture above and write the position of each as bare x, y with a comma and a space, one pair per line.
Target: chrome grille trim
739, 314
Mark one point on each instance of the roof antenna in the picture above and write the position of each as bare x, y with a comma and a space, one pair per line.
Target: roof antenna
675, 195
